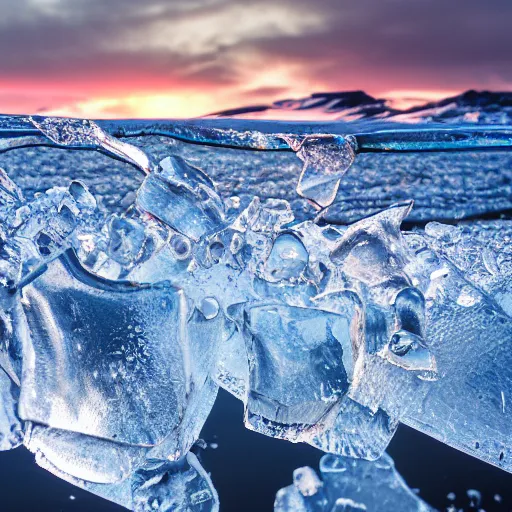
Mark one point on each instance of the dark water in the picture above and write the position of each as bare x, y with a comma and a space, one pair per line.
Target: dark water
248, 469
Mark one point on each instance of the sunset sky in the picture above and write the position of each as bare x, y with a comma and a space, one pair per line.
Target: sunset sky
169, 58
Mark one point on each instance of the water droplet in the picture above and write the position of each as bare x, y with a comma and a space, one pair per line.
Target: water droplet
475, 498
209, 307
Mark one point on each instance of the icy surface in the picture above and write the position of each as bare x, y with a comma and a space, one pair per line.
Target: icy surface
126, 300
349, 485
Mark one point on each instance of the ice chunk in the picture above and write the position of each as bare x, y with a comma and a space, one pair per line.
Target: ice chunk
37, 232
11, 428
157, 485
182, 485
183, 197
356, 432
122, 346
326, 159
82, 133
123, 245
349, 485
466, 344
267, 216
296, 367
287, 260
84, 457
11, 196
371, 251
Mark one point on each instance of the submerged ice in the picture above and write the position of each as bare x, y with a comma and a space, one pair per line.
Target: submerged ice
349, 485
116, 330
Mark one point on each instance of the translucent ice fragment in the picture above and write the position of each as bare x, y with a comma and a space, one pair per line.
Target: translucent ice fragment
125, 349
84, 457
349, 485
297, 367
11, 429
174, 486
183, 197
264, 216
10, 195
466, 342
81, 195
157, 485
305, 495
307, 481
287, 259
82, 133
357, 432
40, 230
371, 250
326, 159
126, 239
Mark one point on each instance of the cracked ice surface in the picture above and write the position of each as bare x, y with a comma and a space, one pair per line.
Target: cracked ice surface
117, 328
349, 485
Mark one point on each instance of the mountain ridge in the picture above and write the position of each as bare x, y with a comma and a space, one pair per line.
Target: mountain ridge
471, 106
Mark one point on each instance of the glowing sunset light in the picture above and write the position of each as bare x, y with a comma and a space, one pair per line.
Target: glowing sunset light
126, 58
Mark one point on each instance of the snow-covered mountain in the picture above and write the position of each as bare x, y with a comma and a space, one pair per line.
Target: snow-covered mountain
469, 107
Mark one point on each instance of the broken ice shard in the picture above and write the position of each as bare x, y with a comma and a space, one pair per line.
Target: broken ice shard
183, 197
288, 258
183, 485
85, 134
123, 348
296, 369
349, 485
400, 362
356, 431
120, 474
326, 159
99, 377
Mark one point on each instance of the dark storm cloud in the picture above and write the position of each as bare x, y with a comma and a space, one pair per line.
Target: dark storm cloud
74, 39
420, 42
433, 37
93, 47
